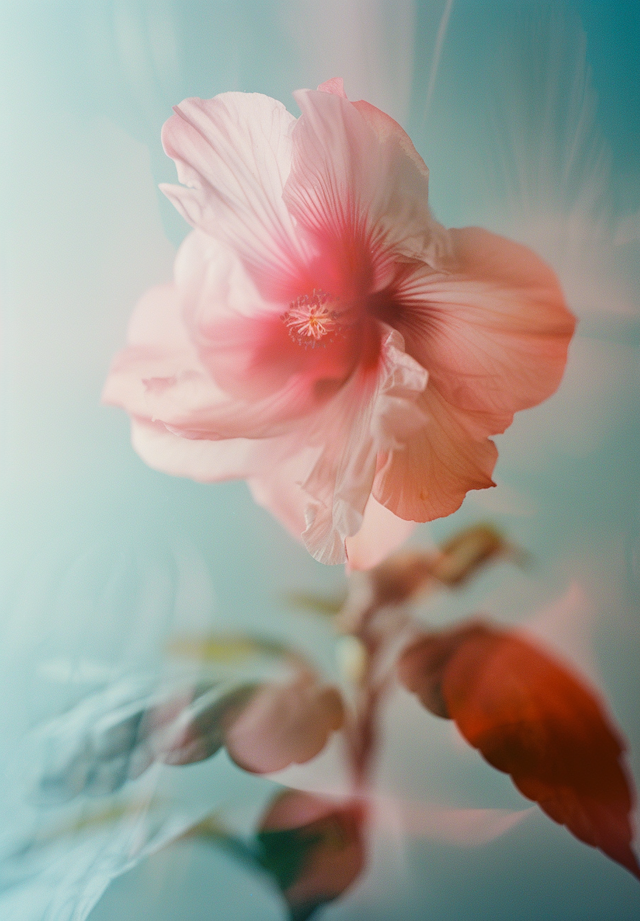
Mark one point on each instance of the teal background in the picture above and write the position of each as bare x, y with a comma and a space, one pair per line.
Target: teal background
532, 128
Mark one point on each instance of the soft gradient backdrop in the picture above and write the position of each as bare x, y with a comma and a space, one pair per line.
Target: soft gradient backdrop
528, 115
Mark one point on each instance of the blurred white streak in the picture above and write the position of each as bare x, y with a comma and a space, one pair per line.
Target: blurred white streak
367, 42
435, 62
552, 170
67, 671
81, 647
544, 117
462, 827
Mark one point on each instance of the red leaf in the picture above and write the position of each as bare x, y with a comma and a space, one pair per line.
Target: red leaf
530, 717
313, 847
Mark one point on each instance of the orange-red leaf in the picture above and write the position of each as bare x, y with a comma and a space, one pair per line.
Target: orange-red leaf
532, 718
313, 847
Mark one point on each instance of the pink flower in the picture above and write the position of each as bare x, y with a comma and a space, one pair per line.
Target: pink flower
324, 337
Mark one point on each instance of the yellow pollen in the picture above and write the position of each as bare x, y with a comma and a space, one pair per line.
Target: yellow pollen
310, 319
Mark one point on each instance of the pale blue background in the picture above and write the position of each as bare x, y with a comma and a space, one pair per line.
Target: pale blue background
103, 557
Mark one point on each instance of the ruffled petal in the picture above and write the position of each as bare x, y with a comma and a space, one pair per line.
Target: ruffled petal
385, 127
233, 153
176, 391
381, 534
202, 460
244, 342
493, 330
429, 476
280, 489
172, 373
321, 494
159, 361
359, 190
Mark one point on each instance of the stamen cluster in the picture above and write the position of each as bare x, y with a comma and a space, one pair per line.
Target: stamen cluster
310, 319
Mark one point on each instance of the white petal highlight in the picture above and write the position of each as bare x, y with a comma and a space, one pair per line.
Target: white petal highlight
233, 154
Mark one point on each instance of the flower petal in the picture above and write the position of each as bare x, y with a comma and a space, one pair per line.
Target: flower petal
233, 153
173, 389
384, 126
322, 493
160, 378
381, 533
493, 332
430, 476
203, 460
359, 189
243, 341
159, 358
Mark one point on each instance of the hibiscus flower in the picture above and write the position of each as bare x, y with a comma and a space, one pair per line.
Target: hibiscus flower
325, 337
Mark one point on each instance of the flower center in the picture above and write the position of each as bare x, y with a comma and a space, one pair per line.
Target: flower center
310, 319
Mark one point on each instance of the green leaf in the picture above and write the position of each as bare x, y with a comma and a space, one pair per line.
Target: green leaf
468, 551
325, 605
313, 848
229, 647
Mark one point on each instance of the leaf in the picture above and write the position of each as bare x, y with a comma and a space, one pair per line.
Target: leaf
401, 577
315, 604
101, 743
229, 647
532, 718
107, 740
94, 750
199, 730
466, 552
284, 724
313, 848
214, 832
407, 574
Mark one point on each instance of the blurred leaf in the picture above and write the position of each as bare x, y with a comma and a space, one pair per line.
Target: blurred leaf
315, 604
94, 750
284, 724
213, 831
407, 574
211, 828
530, 717
106, 740
463, 555
228, 648
199, 730
403, 576
100, 743
88, 820
313, 848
